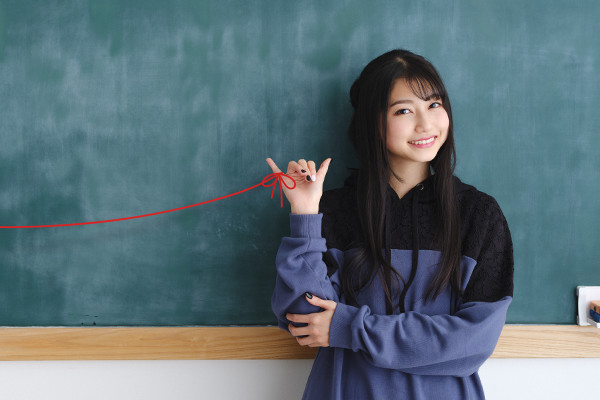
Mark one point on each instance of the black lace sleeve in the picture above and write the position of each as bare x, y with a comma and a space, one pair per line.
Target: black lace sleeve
490, 244
339, 225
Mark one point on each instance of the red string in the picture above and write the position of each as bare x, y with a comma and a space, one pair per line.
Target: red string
273, 179
268, 181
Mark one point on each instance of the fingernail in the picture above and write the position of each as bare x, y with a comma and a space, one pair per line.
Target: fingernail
308, 295
303, 171
314, 178
308, 178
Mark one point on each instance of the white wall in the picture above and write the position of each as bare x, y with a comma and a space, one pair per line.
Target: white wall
516, 379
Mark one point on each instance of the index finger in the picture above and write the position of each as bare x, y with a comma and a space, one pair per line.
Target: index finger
273, 166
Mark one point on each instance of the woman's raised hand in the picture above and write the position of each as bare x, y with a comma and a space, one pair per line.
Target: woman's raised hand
305, 197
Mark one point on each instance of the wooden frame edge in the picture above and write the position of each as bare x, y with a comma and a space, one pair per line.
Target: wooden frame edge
548, 341
250, 343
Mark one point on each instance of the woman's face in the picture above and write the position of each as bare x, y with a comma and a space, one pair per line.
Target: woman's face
416, 129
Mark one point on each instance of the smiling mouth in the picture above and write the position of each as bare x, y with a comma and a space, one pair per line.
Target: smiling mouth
422, 141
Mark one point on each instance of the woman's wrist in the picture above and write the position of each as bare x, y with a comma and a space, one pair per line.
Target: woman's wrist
305, 211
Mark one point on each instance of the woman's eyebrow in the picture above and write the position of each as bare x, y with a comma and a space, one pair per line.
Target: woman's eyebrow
401, 101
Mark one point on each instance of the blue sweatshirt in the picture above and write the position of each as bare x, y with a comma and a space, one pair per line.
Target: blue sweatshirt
426, 350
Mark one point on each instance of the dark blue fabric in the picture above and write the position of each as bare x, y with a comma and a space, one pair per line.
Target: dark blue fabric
427, 352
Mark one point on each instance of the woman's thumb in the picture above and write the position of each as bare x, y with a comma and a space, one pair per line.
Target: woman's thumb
316, 301
323, 169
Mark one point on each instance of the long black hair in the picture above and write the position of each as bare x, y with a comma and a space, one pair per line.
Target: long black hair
369, 96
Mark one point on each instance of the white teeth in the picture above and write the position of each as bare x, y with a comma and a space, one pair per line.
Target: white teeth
422, 141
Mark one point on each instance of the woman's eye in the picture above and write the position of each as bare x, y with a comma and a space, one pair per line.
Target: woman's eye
402, 111
435, 104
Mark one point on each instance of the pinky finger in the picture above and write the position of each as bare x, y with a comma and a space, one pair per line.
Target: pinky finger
302, 341
273, 166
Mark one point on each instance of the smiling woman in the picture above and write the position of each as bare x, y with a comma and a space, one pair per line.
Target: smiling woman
417, 320
416, 130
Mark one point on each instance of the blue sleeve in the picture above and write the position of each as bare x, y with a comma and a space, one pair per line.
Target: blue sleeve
421, 344
448, 344
300, 269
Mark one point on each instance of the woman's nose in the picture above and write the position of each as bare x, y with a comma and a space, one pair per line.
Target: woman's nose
424, 123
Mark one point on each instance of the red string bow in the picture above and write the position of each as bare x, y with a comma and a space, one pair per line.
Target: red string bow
274, 179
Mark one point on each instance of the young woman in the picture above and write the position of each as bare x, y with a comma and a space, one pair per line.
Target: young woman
403, 276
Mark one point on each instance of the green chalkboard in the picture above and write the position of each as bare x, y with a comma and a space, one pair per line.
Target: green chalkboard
117, 108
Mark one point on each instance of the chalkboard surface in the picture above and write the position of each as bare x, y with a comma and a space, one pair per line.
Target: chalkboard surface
116, 108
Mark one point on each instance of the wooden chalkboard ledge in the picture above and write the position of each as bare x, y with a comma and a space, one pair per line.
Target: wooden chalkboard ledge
239, 343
